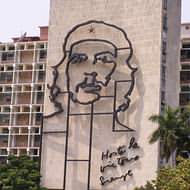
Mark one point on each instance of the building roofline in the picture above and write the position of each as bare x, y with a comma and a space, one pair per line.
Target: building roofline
185, 23
186, 38
42, 26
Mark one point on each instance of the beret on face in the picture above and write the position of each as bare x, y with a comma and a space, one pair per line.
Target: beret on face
97, 30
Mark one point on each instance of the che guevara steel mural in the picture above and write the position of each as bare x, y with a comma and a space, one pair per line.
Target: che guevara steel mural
91, 62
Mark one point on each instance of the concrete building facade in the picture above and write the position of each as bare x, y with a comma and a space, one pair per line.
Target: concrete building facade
185, 67
83, 141
22, 76
86, 143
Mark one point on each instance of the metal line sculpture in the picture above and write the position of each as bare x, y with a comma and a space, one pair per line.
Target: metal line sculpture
90, 84
55, 90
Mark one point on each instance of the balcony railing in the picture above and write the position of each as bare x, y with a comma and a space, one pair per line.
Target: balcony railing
184, 98
185, 55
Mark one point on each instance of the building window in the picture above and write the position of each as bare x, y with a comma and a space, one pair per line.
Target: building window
40, 96
21, 47
165, 23
43, 54
8, 89
39, 67
185, 76
9, 68
38, 88
6, 77
185, 55
165, 4
4, 119
163, 76
5, 131
2, 76
41, 75
185, 88
163, 96
163, 71
41, 46
164, 47
35, 130
5, 98
38, 118
7, 109
186, 45
7, 56
185, 67
162, 107
11, 48
33, 152
3, 152
30, 46
184, 98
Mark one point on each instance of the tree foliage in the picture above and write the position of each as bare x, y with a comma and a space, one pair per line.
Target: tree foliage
173, 131
20, 173
176, 178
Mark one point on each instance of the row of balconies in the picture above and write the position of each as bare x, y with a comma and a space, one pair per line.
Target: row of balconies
21, 98
22, 46
7, 119
185, 76
22, 77
33, 151
21, 88
185, 55
22, 67
19, 130
19, 141
29, 56
184, 98
21, 109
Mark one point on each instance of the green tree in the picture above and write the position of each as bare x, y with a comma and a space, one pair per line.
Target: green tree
183, 141
176, 178
20, 173
148, 186
171, 178
173, 131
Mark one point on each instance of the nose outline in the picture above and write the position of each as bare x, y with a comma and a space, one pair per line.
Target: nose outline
91, 76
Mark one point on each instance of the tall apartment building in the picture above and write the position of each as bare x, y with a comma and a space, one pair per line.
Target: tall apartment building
22, 74
185, 65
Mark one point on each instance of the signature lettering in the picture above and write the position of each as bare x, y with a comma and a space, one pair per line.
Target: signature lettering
118, 158
123, 177
133, 144
108, 154
124, 159
110, 165
120, 150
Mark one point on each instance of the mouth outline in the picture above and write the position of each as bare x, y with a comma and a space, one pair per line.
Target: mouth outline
87, 86
91, 88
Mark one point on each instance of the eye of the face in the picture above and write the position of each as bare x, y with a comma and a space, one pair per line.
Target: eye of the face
105, 57
78, 58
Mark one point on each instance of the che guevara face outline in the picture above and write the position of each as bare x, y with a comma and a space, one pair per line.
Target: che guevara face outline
56, 91
95, 55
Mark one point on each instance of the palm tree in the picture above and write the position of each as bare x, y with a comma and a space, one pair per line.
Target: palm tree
173, 131
184, 131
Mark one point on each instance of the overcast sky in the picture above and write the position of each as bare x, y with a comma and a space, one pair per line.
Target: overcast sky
19, 16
